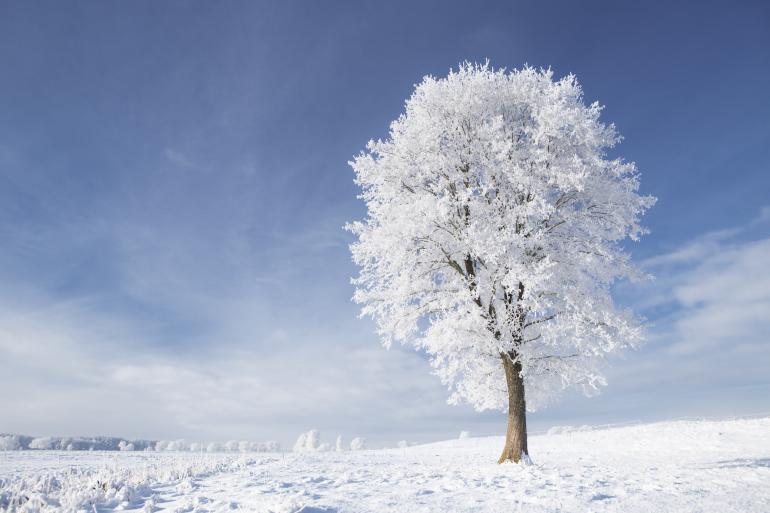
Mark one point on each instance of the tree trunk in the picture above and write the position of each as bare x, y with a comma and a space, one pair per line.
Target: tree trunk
516, 436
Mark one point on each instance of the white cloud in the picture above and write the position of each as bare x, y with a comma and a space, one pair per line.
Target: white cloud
708, 349
71, 368
692, 251
180, 159
710, 316
726, 301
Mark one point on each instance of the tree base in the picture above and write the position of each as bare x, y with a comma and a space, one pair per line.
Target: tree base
522, 458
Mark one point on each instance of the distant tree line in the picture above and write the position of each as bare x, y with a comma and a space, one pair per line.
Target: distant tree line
9, 442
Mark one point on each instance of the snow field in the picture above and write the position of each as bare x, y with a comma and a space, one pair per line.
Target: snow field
684, 466
65, 481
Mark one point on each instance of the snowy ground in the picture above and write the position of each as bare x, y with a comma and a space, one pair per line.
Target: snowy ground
692, 466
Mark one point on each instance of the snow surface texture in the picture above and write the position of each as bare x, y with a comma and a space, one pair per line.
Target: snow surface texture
683, 466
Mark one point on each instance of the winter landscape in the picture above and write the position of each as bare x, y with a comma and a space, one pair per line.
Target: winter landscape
367, 257
678, 466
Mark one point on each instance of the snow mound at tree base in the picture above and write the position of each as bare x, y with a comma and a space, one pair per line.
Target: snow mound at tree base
684, 466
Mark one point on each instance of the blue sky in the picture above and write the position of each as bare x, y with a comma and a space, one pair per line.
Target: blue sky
173, 183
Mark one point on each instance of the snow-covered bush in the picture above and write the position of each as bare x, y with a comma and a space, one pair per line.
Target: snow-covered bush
464, 435
172, 445
313, 440
310, 442
358, 444
10, 443
177, 445
301, 443
43, 443
269, 446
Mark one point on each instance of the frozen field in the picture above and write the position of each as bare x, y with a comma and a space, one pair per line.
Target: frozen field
686, 466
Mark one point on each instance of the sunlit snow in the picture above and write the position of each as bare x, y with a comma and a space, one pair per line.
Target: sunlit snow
683, 466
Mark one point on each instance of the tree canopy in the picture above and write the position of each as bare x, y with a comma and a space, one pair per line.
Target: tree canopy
494, 226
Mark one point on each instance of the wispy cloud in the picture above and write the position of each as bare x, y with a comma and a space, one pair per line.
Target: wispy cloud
709, 312
78, 371
180, 159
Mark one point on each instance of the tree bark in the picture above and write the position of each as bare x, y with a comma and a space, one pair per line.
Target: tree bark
516, 436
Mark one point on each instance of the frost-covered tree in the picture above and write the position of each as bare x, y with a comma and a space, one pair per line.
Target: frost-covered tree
44, 442
493, 235
309, 442
10, 443
358, 444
